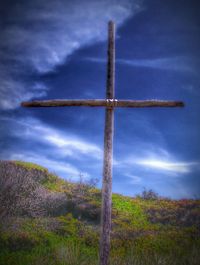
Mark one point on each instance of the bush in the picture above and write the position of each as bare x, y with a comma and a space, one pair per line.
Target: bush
21, 193
149, 195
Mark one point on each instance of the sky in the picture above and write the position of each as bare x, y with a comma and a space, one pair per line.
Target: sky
57, 50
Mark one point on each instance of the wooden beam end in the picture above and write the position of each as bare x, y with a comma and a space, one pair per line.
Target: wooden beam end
23, 104
181, 104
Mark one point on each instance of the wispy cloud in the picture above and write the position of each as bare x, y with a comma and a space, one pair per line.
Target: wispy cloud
178, 63
133, 179
62, 143
63, 169
168, 166
40, 35
176, 167
61, 152
157, 160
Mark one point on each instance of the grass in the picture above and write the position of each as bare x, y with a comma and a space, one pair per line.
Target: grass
34, 242
144, 232
125, 208
29, 165
74, 253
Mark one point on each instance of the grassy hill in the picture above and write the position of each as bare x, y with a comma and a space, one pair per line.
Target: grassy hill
47, 220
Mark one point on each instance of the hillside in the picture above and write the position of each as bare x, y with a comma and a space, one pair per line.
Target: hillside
47, 220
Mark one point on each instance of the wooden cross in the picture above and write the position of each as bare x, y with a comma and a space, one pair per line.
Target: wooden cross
110, 103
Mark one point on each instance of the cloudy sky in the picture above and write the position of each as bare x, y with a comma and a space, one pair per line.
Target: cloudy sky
57, 49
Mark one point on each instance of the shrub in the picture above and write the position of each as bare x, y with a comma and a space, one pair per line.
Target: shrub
149, 195
21, 193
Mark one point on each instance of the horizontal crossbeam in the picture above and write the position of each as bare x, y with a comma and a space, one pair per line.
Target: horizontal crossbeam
103, 103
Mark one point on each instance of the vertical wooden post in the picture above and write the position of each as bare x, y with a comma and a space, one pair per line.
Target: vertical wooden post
108, 152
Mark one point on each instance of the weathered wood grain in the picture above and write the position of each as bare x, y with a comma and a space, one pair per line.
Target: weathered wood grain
108, 152
103, 103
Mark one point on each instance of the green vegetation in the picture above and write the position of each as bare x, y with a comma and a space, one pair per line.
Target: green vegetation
30, 166
64, 229
126, 209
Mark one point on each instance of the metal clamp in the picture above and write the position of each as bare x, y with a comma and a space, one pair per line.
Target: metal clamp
111, 103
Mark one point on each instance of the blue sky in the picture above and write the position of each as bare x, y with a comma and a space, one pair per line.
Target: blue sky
57, 49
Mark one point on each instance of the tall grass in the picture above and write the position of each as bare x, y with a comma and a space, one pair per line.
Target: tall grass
75, 254
191, 257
